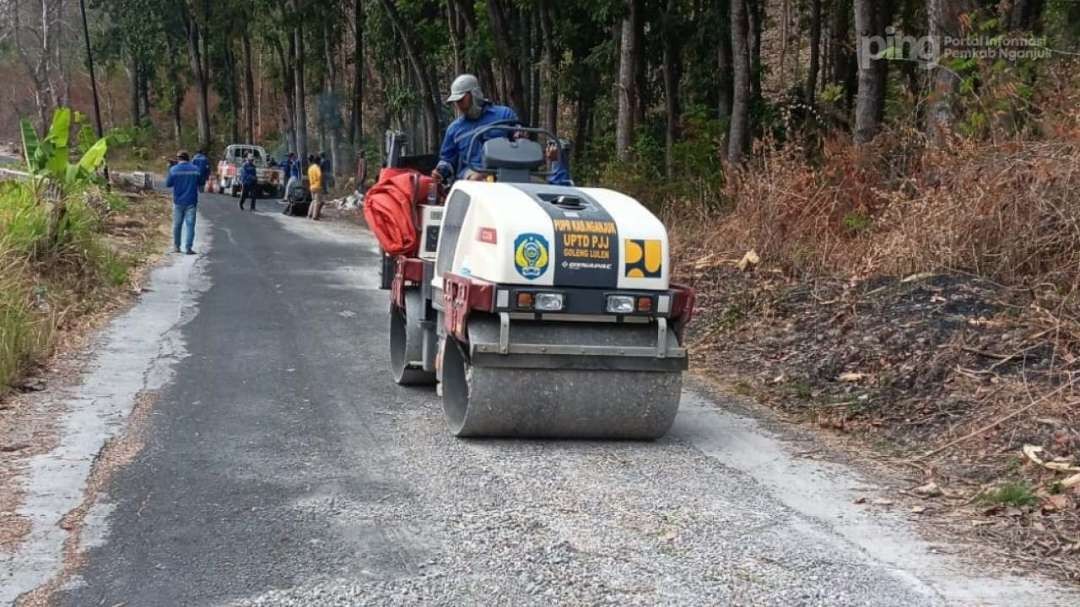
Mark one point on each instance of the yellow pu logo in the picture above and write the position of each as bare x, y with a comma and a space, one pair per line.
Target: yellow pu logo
644, 258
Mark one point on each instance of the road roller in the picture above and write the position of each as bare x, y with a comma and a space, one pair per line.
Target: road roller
538, 310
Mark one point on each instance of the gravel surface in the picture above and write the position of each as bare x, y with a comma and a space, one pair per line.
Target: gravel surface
283, 467
590, 523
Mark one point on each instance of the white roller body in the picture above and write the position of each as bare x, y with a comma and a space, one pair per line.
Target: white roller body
502, 216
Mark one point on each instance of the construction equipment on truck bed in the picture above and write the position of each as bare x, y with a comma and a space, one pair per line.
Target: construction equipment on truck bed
540, 310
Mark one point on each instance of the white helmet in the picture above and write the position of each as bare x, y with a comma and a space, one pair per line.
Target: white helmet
464, 84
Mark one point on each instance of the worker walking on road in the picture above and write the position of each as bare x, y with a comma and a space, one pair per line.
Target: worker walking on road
249, 182
315, 184
203, 164
184, 179
291, 168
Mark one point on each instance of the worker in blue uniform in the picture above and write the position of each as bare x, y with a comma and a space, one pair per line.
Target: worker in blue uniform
458, 157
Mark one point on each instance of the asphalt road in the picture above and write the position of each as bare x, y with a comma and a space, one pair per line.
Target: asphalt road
281, 466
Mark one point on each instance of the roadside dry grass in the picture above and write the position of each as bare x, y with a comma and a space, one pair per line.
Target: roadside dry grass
921, 302
918, 304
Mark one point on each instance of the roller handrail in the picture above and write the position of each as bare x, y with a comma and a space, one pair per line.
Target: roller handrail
518, 128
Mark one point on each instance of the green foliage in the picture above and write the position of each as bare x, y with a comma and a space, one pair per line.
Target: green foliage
1010, 494
857, 222
48, 157
53, 260
21, 335
832, 93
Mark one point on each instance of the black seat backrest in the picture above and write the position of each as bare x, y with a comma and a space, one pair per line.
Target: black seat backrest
513, 160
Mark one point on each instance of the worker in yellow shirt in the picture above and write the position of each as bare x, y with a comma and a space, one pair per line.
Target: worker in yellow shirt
315, 184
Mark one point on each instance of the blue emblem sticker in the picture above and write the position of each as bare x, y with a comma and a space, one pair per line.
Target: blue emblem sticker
531, 255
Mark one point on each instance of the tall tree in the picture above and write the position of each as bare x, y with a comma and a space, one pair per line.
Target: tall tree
629, 49
842, 55
412, 52
286, 67
944, 19
739, 130
34, 29
724, 59
299, 98
815, 52
755, 11
871, 93
249, 87
550, 80
199, 66
1024, 14
330, 117
475, 57
672, 34
356, 118
510, 66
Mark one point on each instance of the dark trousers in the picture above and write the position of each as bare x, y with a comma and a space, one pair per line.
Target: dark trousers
246, 192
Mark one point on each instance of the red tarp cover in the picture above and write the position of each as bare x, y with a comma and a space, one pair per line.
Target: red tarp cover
389, 212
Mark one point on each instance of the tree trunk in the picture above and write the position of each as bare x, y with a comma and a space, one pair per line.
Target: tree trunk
300, 99
871, 91
581, 123
815, 52
333, 118
627, 87
844, 65
230, 92
178, 92
249, 87
537, 59
467, 13
511, 70
524, 56
672, 66
356, 120
724, 61
144, 94
136, 114
457, 35
943, 18
755, 11
286, 65
199, 73
551, 116
431, 112
785, 38
739, 132
1025, 15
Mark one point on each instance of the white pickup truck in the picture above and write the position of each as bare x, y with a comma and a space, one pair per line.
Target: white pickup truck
271, 179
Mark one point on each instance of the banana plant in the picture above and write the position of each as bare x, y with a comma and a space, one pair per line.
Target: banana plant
49, 157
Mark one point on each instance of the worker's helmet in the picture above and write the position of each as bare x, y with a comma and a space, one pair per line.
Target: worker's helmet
463, 84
